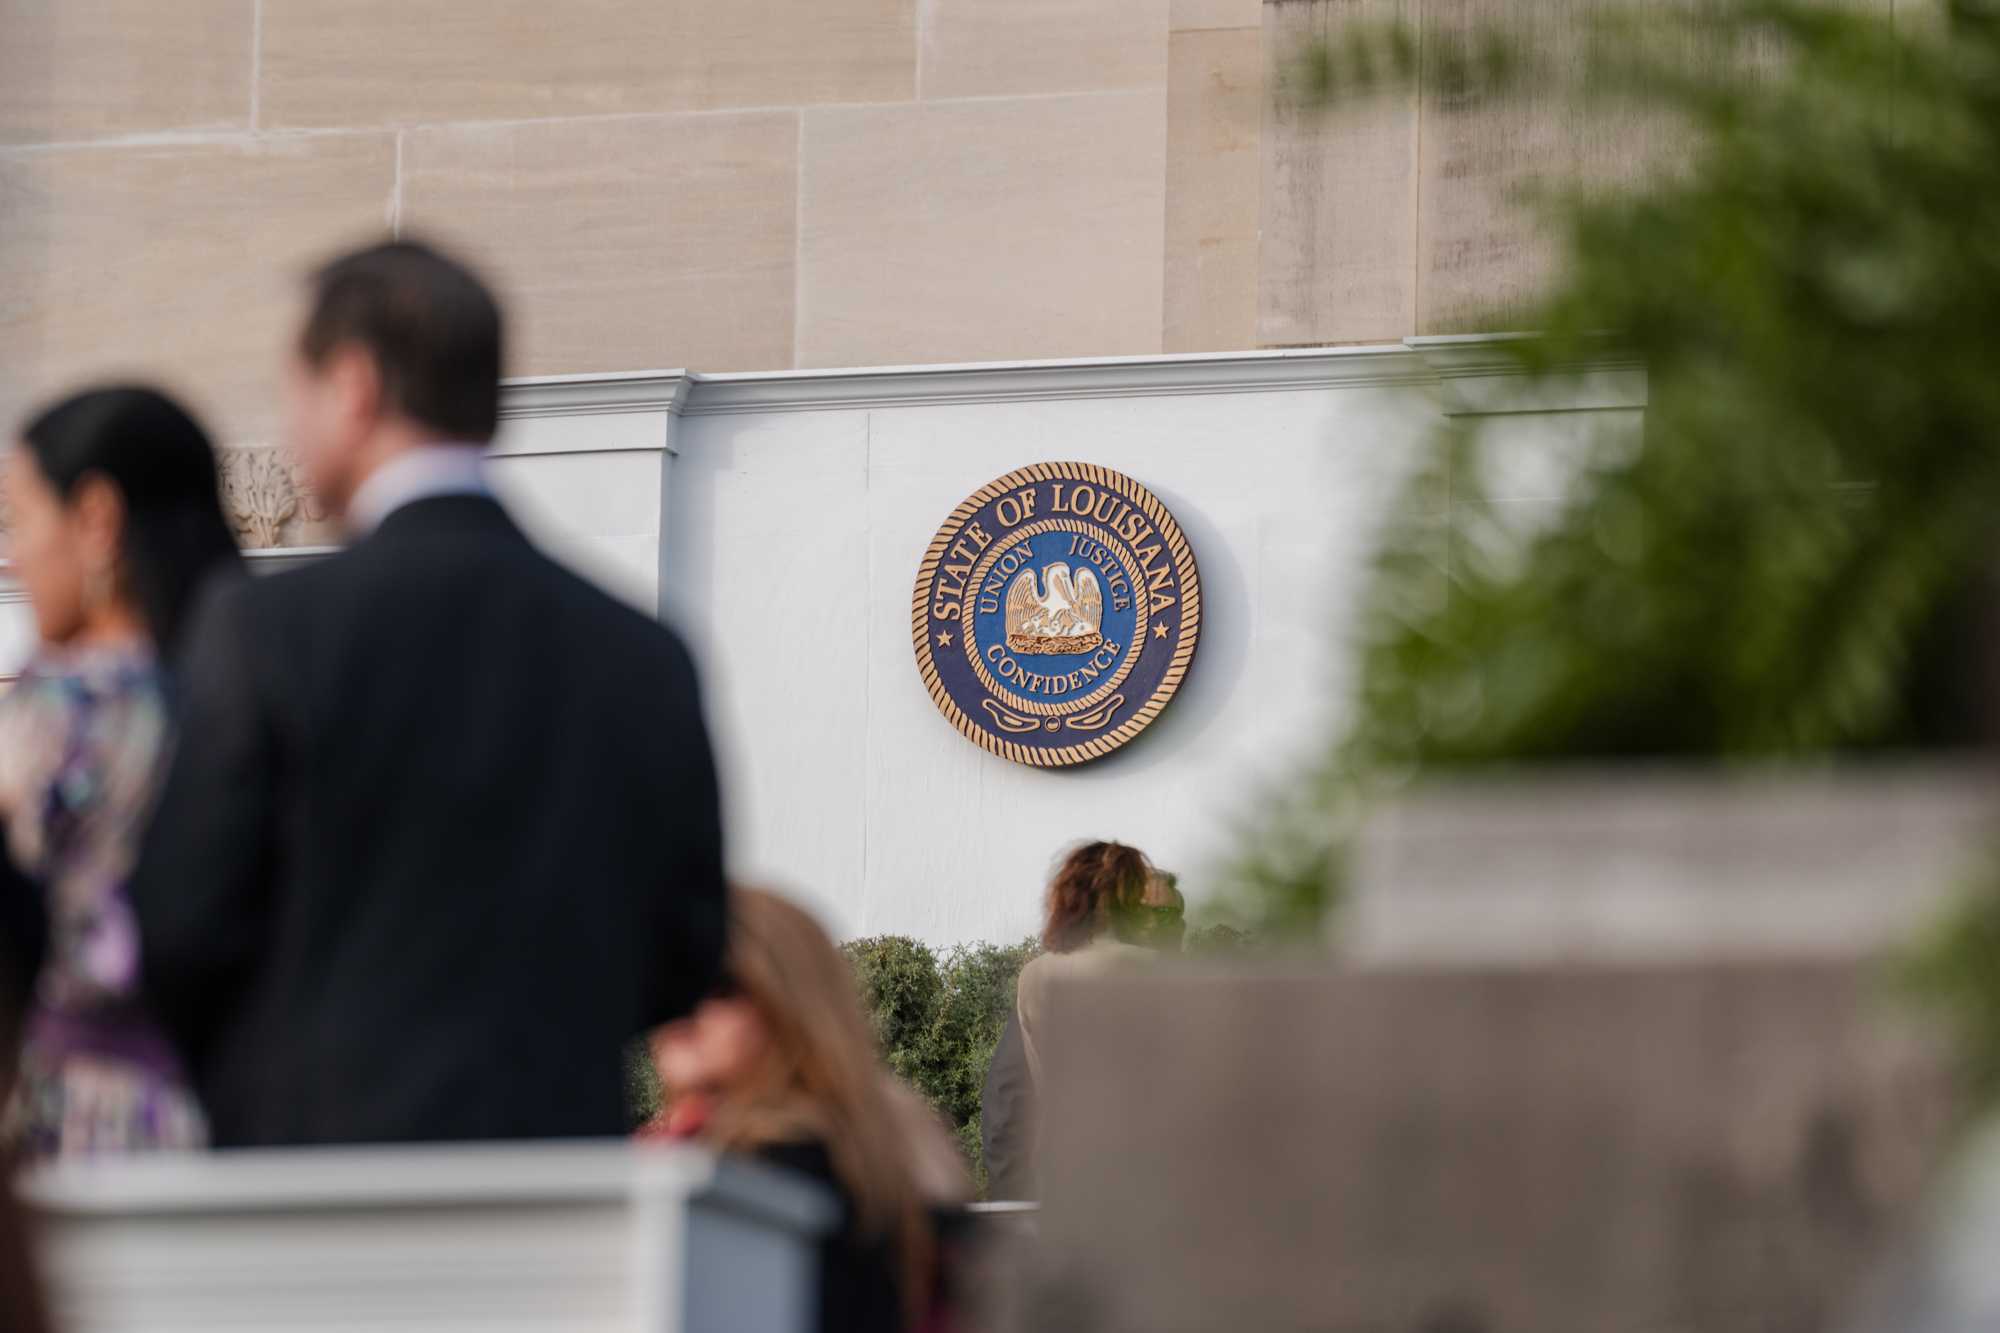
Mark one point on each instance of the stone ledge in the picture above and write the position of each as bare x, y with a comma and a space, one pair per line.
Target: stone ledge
270, 507
594, 394
1017, 381
1460, 363
1562, 865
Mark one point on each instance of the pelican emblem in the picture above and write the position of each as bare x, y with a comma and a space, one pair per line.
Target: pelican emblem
1068, 618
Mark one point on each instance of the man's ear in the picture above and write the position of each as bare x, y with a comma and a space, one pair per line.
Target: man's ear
356, 380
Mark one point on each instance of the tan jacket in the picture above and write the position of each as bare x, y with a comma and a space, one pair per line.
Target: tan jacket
1031, 995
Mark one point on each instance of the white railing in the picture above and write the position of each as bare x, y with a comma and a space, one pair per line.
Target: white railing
584, 1238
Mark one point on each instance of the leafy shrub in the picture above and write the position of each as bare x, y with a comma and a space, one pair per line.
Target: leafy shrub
978, 1000
901, 991
1219, 941
1957, 970
642, 1084
938, 1020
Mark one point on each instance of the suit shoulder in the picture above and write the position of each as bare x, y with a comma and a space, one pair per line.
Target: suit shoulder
248, 597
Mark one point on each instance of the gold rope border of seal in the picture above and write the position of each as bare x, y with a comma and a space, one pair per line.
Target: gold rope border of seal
1185, 571
1098, 694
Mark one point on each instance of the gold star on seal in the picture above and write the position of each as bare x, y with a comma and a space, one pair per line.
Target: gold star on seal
1159, 631
944, 639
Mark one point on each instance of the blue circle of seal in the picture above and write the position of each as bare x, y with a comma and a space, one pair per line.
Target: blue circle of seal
1056, 613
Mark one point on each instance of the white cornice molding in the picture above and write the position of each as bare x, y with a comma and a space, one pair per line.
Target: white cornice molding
1109, 377
1477, 375
1451, 355
1436, 361
1454, 355
688, 393
589, 395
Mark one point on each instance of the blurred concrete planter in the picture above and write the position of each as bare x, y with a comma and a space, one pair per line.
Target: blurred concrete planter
1617, 1058
1716, 1147
569, 1237
1537, 867
1946, 1280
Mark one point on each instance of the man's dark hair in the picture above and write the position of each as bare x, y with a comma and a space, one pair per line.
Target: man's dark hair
429, 323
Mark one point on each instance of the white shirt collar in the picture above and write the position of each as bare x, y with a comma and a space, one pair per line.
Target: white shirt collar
416, 474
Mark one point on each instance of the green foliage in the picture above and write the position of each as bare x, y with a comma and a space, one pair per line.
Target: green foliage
902, 991
1958, 971
642, 1083
1761, 576
973, 1149
938, 1020
1219, 941
977, 1001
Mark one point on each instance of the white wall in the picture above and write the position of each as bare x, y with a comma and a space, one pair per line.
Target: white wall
792, 548
583, 462
800, 505
17, 626
778, 520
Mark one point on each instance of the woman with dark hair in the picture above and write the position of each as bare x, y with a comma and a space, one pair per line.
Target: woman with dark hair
116, 522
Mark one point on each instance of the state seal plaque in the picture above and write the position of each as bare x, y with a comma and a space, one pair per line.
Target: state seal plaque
1056, 613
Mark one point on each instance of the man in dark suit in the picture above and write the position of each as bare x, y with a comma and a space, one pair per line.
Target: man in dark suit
441, 832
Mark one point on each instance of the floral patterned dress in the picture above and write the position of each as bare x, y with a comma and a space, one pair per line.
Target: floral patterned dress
81, 739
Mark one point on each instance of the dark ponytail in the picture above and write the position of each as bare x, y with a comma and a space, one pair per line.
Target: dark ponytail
164, 467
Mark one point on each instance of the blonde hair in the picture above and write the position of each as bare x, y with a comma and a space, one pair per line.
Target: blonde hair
821, 1077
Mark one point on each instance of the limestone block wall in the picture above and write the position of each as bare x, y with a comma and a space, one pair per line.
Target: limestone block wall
747, 186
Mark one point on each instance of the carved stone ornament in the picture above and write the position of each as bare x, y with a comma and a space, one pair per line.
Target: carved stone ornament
266, 497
